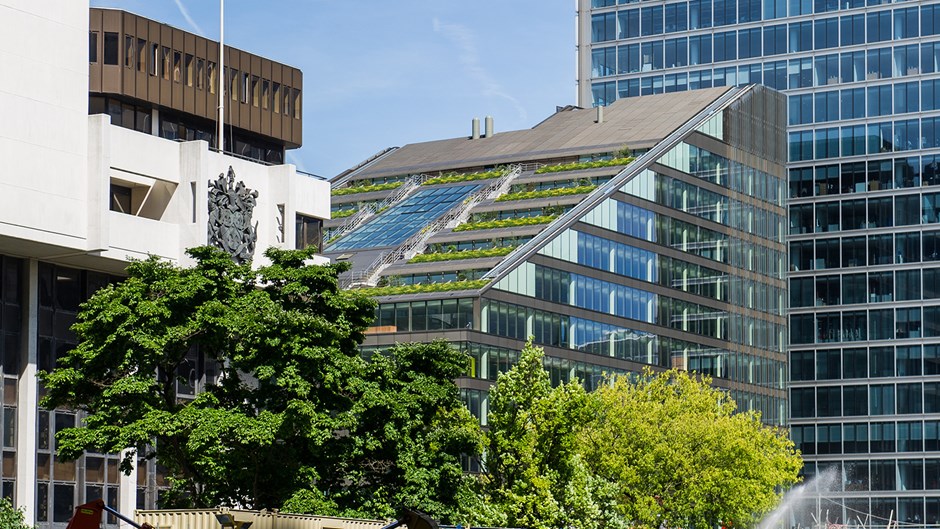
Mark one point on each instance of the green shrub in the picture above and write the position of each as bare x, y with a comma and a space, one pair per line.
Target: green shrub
475, 284
506, 223
452, 178
466, 254
365, 189
557, 192
576, 166
343, 213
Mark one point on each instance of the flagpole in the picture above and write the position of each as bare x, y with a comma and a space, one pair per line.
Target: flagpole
220, 141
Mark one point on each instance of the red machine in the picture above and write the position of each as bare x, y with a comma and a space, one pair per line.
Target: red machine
88, 516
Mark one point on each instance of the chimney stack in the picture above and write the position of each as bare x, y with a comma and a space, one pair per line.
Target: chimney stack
475, 129
489, 130
600, 114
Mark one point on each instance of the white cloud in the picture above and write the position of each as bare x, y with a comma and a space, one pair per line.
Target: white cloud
189, 19
465, 41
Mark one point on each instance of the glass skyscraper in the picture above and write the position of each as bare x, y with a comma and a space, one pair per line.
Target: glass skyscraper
863, 88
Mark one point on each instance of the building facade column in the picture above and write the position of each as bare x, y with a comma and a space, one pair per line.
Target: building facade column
28, 397
127, 489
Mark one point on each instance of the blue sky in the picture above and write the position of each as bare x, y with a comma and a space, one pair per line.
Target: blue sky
381, 73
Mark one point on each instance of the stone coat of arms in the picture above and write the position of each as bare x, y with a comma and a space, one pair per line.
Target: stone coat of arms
230, 207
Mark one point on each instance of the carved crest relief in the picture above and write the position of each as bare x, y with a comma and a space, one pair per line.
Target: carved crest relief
230, 208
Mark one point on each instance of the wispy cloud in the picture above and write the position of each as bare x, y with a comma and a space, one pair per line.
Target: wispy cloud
465, 41
189, 19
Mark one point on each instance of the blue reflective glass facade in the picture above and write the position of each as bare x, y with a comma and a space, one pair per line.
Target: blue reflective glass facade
403, 220
861, 78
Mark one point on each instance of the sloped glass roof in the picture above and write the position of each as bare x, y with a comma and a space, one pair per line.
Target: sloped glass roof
404, 219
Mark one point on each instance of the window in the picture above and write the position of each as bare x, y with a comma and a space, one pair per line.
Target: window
603, 61
189, 70
828, 364
879, 26
603, 27
749, 42
853, 30
700, 14
852, 103
827, 106
110, 48
130, 52
177, 66
213, 74
651, 20
725, 46
255, 91
201, 74
243, 88
801, 37
92, 46
881, 402
905, 23
775, 39
167, 68
296, 104
906, 97
852, 66
276, 98
629, 21
308, 232
826, 33
677, 18
700, 49
882, 436
855, 363
879, 100
856, 400
265, 94
121, 199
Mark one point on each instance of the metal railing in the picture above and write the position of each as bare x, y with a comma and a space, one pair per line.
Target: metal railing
358, 218
418, 242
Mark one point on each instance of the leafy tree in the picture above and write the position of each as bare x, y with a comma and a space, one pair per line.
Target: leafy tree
284, 339
11, 517
533, 475
673, 452
406, 445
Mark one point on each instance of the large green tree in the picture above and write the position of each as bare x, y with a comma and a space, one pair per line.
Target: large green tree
406, 446
533, 474
674, 452
285, 340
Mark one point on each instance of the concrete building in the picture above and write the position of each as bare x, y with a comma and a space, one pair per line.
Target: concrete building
672, 259
80, 195
862, 84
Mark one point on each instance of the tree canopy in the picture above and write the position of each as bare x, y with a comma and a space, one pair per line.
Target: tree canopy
651, 451
294, 416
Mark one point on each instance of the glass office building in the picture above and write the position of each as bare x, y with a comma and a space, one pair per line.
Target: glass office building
863, 86
651, 234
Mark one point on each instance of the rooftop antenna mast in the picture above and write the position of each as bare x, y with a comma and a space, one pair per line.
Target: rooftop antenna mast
220, 139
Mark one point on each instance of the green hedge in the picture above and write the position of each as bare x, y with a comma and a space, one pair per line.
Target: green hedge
343, 213
466, 254
452, 178
575, 166
365, 189
475, 284
557, 192
506, 223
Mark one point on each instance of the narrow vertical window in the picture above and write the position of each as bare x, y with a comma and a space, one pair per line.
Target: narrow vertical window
177, 66
265, 93
277, 98
129, 52
255, 91
213, 77
189, 70
233, 84
286, 94
201, 74
154, 59
243, 87
92, 46
166, 63
296, 103
141, 55
110, 48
